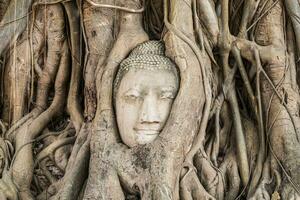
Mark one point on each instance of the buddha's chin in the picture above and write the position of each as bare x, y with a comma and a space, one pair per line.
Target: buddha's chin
146, 137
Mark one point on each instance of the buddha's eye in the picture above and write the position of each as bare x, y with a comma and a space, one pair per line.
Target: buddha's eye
167, 95
133, 95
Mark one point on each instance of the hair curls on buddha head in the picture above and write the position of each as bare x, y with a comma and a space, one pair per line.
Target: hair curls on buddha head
150, 56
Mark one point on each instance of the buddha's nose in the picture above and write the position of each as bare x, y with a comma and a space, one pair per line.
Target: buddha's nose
150, 112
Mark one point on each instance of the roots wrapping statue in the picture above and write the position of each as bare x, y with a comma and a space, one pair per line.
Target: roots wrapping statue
173, 99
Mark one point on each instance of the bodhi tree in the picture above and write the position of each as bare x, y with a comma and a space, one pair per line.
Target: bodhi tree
153, 99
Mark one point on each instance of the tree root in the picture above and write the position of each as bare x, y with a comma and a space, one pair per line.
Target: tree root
74, 178
73, 103
99, 41
130, 27
29, 131
49, 150
13, 30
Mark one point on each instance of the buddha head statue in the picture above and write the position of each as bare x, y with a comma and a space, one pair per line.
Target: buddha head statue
145, 87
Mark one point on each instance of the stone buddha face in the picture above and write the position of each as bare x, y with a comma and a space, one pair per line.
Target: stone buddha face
143, 99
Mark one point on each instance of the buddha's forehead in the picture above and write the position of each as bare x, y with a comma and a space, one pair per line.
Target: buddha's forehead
141, 78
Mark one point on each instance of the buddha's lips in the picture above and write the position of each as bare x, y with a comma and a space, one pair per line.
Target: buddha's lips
147, 131
146, 136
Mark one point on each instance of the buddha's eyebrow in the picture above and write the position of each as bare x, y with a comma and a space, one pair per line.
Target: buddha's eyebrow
132, 91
